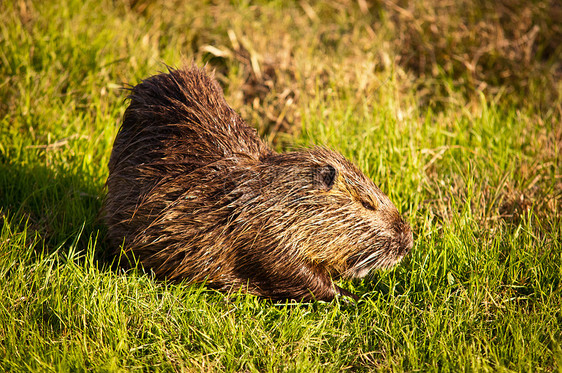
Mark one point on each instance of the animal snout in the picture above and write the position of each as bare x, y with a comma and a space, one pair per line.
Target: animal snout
404, 237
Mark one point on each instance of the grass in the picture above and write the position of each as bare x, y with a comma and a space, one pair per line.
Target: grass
472, 162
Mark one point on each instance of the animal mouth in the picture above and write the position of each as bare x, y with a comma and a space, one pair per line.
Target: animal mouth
383, 257
371, 262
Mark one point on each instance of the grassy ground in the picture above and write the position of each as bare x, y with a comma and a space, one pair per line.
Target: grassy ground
457, 119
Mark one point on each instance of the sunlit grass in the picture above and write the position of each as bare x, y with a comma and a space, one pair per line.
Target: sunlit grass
478, 178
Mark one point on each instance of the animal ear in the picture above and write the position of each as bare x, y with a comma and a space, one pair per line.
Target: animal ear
324, 177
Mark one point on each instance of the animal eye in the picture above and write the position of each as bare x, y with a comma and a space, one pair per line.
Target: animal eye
368, 206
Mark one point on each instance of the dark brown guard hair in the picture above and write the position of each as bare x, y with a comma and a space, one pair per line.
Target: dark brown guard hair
195, 195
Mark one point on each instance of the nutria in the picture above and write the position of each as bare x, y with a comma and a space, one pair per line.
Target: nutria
194, 194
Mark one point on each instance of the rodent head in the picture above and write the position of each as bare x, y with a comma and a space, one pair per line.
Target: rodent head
324, 210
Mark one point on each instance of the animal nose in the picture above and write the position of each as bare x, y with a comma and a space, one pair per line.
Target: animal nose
408, 240
405, 237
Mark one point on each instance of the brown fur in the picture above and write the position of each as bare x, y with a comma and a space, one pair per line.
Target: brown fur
195, 194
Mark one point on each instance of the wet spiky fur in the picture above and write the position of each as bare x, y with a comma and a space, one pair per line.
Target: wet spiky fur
194, 194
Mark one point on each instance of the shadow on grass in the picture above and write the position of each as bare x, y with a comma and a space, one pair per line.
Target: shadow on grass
57, 205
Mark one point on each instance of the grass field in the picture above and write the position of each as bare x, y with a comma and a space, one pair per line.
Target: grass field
454, 111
